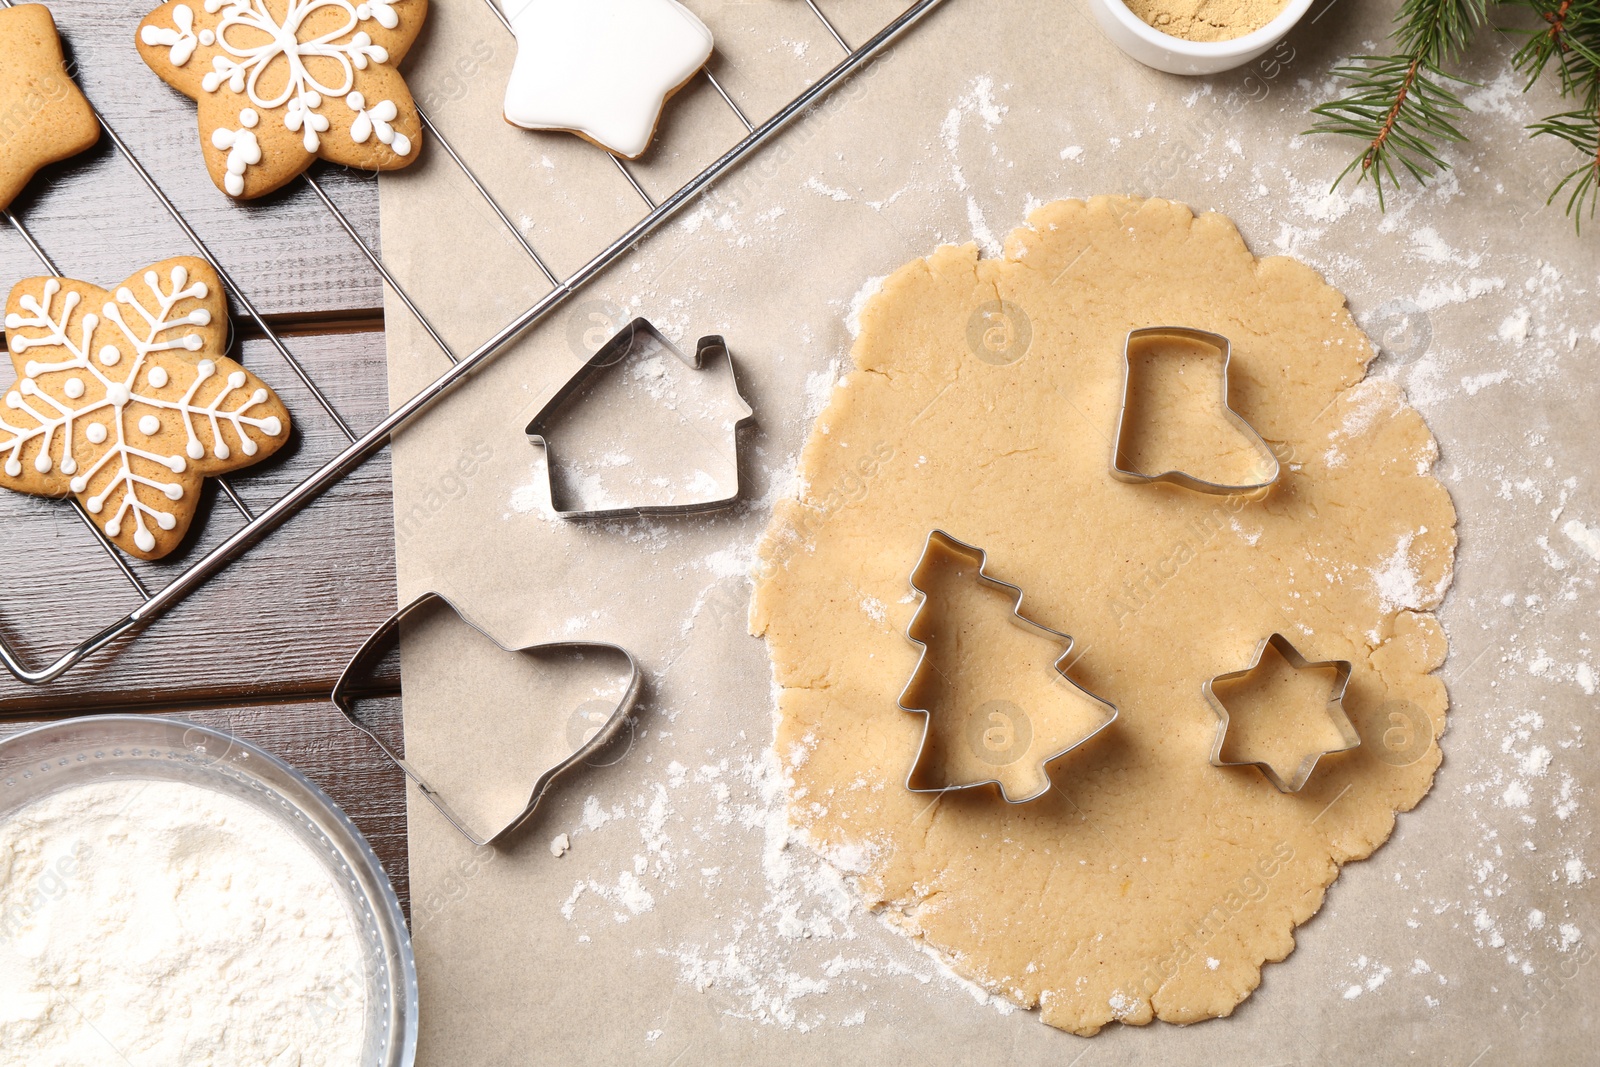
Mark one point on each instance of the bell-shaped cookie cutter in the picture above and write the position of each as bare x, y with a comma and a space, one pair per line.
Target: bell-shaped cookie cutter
939, 541
1336, 713
1125, 472
613, 352
344, 698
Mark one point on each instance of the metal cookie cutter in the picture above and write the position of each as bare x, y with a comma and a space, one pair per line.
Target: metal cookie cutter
639, 336
914, 696
1125, 472
386, 635
1336, 713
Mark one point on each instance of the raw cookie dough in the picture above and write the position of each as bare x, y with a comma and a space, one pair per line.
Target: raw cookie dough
1147, 883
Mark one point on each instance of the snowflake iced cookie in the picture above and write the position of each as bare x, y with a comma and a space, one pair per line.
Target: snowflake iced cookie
43, 115
602, 69
125, 400
279, 83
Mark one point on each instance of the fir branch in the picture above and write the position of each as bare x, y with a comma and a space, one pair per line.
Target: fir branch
1404, 105
1581, 130
1568, 37
1569, 33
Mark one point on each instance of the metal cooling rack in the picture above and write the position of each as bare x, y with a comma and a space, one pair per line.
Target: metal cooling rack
364, 446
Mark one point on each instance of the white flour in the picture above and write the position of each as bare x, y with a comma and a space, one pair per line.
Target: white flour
161, 923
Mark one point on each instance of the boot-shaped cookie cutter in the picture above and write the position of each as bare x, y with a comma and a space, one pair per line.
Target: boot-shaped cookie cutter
387, 635
1336, 713
1122, 469
914, 696
613, 354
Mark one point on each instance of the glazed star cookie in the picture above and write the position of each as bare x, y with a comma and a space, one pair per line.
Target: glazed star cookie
124, 399
280, 83
602, 69
43, 115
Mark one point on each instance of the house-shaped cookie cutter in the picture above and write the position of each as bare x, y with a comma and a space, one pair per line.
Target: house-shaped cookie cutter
914, 695
1336, 714
612, 355
1122, 469
386, 636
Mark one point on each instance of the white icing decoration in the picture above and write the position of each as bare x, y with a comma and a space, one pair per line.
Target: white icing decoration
378, 120
244, 151
302, 113
602, 68
382, 10
149, 332
181, 39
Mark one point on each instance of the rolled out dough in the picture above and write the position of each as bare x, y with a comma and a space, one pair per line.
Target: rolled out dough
1146, 883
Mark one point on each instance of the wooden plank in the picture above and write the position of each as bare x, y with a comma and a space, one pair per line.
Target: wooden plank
316, 740
99, 221
280, 621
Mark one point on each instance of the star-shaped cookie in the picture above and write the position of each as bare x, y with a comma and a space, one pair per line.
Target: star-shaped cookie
43, 115
280, 83
602, 69
124, 399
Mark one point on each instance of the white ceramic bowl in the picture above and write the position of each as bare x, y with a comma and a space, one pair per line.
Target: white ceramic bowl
44, 760
1177, 56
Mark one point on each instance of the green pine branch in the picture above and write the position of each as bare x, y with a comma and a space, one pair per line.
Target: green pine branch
1568, 34
1568, 39
1580, 129
1403, 106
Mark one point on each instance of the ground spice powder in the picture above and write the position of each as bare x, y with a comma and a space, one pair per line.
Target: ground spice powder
1207, 20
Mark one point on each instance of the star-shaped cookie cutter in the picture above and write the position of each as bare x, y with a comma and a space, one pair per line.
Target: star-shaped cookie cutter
939, 541
1336, 713
610, 355
344, 698
1124, 472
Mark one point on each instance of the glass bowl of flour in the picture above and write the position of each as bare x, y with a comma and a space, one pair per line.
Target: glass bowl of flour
171, 894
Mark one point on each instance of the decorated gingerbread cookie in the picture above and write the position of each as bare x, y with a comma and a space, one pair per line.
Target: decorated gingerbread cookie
280, 83
43, 115
125, 400
602, 69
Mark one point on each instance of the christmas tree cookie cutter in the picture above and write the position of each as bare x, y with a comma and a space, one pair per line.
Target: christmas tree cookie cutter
720, 433
345, 697
1123, 470
916, 692
1336, 714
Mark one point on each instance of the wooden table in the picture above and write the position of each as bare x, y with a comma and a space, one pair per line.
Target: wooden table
257, 650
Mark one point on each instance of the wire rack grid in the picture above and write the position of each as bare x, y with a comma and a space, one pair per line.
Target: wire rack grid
361, 447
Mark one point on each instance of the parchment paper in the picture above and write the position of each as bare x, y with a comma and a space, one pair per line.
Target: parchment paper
682, 926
